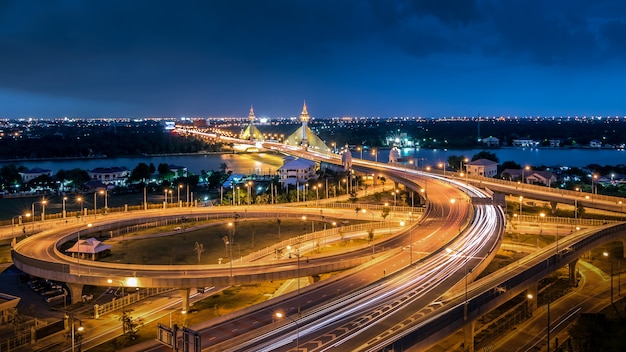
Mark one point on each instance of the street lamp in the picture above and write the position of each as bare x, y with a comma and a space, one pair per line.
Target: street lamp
78, 247
281, 315
523, 169
127, 282
76, 335
541, 217
19, 221
178, 196
375, 154
64, 200
521, 204
230, 242
249, 184
467, 258
80, 200
297, 271
394, 192
43, 209
606, 254
443, 166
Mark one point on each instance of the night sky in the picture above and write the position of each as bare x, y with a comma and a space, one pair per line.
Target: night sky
132, 58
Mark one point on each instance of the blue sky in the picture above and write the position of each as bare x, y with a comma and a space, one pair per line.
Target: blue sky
145, 58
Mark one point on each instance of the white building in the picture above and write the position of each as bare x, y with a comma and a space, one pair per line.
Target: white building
109, 175
394, 155
33, 173
296, 171
482, 167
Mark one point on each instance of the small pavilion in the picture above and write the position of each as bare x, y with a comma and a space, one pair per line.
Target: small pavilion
89, 248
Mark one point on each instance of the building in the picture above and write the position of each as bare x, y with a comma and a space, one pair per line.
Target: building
525, 143
294, 171
540, 177
31, 174
110, 175
490, 142
394, 155
482, 167
594, 143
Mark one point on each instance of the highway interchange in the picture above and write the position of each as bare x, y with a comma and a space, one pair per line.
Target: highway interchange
360, 310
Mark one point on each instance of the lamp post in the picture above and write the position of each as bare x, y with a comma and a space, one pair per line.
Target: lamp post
178, 195
606, 254
76, 335
28, 215
78, 247
249, 184
297, 272
64, 200
43, 211
80, 200
375, 154
411, 237
523, 169
105, 193
541, 217
19, 221
281, 315
521, 204
394, 192
443, 166
231, 225
127, 282
450, 251
95, 205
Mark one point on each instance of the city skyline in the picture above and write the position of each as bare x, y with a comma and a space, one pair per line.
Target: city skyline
377, 58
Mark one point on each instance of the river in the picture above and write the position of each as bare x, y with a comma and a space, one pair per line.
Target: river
268, 163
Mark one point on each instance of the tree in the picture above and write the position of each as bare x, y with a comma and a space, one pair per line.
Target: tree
199, 248
130, 325
486, 155
75, 178
370, 235
141, 172
455, 162
385, 212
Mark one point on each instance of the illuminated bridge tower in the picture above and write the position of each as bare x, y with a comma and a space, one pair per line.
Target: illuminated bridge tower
304, 118
251, 132
304, 137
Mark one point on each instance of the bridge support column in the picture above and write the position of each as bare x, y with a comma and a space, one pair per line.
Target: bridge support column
553, 205
572, 273
468, 336
76, 292
623, 249
532, 302
184, 294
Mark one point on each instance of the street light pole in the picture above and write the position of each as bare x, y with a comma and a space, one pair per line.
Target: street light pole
282, 315
606, 254
64, 200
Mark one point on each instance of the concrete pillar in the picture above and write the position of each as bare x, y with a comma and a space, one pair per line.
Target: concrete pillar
572, 273
553, 205
468, 336
532, 302
184, 295
76, 292
623, 248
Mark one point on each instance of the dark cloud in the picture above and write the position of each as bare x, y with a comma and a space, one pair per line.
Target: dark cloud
205, 56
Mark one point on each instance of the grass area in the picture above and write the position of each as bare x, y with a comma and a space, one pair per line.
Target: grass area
179, 248
230, 300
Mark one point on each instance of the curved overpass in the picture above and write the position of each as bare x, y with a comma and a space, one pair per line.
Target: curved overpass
39, 256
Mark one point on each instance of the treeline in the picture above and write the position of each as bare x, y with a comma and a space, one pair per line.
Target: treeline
112, 141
